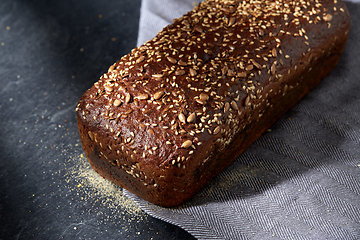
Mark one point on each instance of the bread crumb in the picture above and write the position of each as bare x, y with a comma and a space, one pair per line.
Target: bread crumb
89, 185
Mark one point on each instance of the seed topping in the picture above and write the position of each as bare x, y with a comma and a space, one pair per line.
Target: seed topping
91, 135
158, 94
182, 63
172, 60
231, 21
327, 17
186, 144
117, 103
140, 59
142, 96
182, 118
128, 98
179, 72
192, 72
216, 130
157, 75
191, 118
247, 100
234, 105
226, 107
203, 97
249, 67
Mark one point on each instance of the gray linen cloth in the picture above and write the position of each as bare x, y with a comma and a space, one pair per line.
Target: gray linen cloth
301, 180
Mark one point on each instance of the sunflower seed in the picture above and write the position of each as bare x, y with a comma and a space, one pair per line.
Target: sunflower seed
182, 118
191, 118
179, 72
186, 144
234, 105
203, 97
247, 100
182, 63
142, 96
117, 103
172, 60
226, 107
249, 67
328, 17
231, 21
158, 94
192, 72
127, 97
157, 75
273, 69
273, 52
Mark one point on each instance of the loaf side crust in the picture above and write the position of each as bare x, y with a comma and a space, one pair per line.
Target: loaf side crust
173, 113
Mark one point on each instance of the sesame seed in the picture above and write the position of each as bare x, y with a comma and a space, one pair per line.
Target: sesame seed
91, 135
108, 88
200, 101
111, 68
216, 130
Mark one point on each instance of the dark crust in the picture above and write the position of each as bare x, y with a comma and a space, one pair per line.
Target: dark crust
135, 122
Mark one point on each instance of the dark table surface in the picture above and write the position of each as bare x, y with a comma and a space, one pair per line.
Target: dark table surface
51, 53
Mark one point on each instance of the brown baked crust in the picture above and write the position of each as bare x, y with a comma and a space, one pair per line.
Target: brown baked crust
174, 112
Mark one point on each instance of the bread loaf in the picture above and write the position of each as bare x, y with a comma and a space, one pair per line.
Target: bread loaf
174, 112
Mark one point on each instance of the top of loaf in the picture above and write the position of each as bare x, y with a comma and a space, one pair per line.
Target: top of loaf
198, 79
